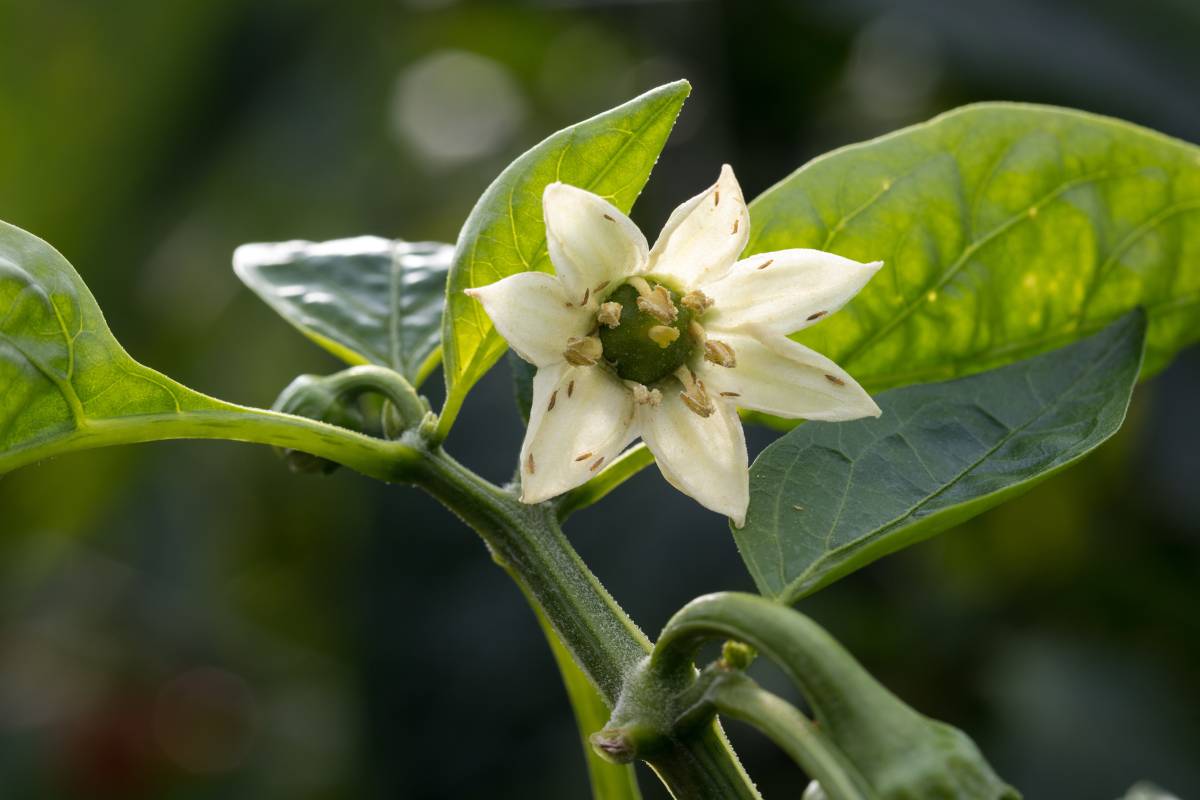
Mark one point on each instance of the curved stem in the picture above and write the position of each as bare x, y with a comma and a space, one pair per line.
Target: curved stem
736, 696
527, 541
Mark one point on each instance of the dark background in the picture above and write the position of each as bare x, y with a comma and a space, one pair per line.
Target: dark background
188, 620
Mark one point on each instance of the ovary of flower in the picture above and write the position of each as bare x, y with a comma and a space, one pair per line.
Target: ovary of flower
689, 334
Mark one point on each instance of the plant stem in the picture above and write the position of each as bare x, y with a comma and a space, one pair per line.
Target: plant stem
528, 542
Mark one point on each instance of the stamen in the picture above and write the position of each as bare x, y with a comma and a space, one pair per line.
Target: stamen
639, 283
583, 351
697, 331
817, 315
663, 335
646, 397
584, 456
609, 314
836, 381
766, 263
697, 301
553, 400
720, 353
694, 395
658, 305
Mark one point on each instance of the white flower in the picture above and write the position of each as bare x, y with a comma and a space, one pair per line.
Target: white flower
666, 342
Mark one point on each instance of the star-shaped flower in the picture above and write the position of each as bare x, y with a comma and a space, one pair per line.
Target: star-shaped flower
667, 342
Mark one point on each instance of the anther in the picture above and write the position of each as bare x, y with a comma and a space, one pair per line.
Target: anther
697, 301
646, 397
835, 380
663, 335
583, 351
817, 315
658, 305
609, 314
719, 353
694, 395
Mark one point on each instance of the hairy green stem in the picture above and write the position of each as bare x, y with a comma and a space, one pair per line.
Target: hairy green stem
527, 541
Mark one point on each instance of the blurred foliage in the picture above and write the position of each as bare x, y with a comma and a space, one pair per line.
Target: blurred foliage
189, 620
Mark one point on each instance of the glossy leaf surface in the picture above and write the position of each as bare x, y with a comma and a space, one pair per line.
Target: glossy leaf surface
1006, 230
829, 498
610, 154
66, 383
367, 300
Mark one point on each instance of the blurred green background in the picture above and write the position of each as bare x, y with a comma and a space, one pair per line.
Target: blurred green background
188, 620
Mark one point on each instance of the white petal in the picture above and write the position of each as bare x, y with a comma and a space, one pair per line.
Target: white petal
704, 236
533, 314
785, 291
590, 423
785, 378
589, 239
704, 457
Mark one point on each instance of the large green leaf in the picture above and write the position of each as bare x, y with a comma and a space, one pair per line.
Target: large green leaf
1006, 230
610, 154
367, 300
66, 384
826, 498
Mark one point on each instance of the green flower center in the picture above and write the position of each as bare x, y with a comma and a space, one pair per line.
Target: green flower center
640, 348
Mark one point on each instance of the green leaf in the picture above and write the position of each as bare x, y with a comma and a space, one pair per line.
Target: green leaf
827, 499
66, 384
367, 300
610, 154
1006, 230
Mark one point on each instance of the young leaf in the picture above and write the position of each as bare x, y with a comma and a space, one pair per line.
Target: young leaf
1005, 230
827, 499
610, 154
367, 300
66, 384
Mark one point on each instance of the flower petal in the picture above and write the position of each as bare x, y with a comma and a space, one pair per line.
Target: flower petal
785, 291
778, 376
533, 314
704, 236
589, 239
704, 457
581, 419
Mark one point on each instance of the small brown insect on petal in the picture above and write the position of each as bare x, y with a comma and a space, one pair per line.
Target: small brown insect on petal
529, 465
587, 293
600, 286
570, 388
596, 464
835, 380
717, 197
553, 400
610, 219
584, 456
766, 263
735, 225
817, 315
731, 394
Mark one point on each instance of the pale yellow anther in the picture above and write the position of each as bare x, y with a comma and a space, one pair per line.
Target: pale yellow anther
694, 395
609, 314
663, 335
583, 351
697, 301
719, 353
658, 305
646, 397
